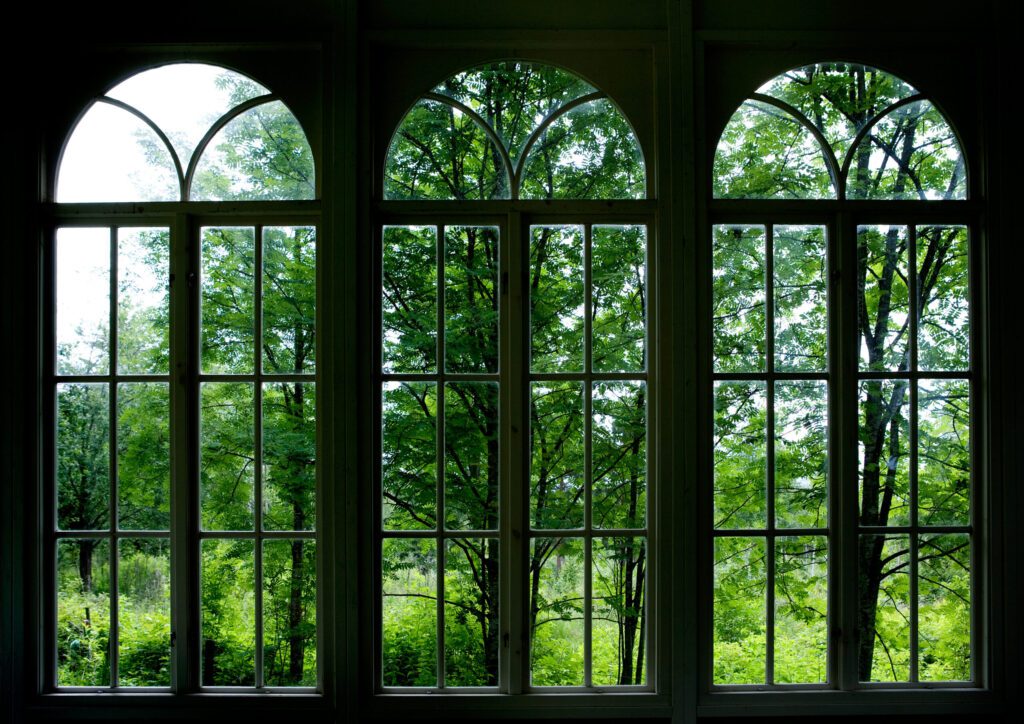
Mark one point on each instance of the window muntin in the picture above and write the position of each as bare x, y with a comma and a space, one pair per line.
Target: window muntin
581, 484
908, 346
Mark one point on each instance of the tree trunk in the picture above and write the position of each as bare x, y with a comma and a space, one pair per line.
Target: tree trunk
85, 549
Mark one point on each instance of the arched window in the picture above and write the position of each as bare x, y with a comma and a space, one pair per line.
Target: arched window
843, 471
514, 372
183, 349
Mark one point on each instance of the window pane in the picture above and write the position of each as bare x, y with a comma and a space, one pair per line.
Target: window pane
944, 452
143, 456
801, 312
556, 611
882, 317
289, 456
471, 456
471, 624
619, 455
589, 152
884, 608
944, 326
409, 299
409, 606
619, 611
228, 652
83, 612
801, 610
439, 152
801, 454
740, 607
619, 298
739, 298
143, 301
83, 457
884, 453
227, 451
83, 301
409, 462
766, 153
556, 298
144, 612
471, 299
228, 293
289, 612
944, 598
740, 455
556, 453
289, 299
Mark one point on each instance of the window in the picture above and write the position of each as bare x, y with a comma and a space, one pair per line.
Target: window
844, 476
183, 354
514, 379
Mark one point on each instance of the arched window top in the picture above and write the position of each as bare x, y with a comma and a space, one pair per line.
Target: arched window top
186, 131
514, 130
834, 130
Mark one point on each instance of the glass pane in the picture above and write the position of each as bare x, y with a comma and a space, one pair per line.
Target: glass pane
289, 299
588, 153
556, 611
944, 324
83, 612
409, 299
618, 616
289, 456
739, 298
883, 312
112, 155
471, 299
83, 301
619, 298
883, 612
143, 456
184, 99
911, 153
884, 451
766, 153
619, 455
801, 293
944, 452
441, 153
409, 611
471, 468
83, 457
227, 452
556, 454
471, 627
801, 610
260, 155
143, 301
740, 608
289, 612
409, 462
144, 612
513, 95
801, 454
556, 298
838, 98
228, 651
740, 455
228, 292
944, 607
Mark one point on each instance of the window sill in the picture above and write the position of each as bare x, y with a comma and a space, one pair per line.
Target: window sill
588, 705
918, 701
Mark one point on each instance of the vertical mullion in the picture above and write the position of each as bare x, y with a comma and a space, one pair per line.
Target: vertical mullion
834, 346
48, 499
912, 442
113, 642
769, 325
588, 390
439, 447
514, 354
258, 445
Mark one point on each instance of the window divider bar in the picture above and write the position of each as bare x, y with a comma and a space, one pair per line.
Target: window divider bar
257, 397
588, 451
912, 443
112, 553
439, 447
770, 454
514, 359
